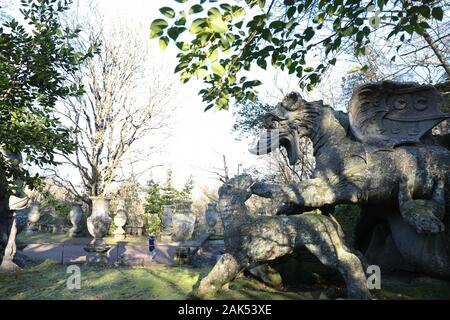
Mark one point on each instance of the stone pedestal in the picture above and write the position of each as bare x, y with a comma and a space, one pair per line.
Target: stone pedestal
8, 232
75, 217
120, 220
98, 224
97, 254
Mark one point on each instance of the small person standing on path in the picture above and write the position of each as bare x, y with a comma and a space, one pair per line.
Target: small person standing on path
151, 247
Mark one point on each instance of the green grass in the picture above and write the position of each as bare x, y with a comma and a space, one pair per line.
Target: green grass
42, 237
410, 292
47, 280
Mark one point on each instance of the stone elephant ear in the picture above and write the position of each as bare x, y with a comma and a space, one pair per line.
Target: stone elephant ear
387, 114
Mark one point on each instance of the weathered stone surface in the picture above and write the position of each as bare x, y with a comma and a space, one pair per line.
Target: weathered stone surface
211, 217
183, 226
9, 225
75, 217
253, 240
120, 220
98, 224
399, 177
166, 233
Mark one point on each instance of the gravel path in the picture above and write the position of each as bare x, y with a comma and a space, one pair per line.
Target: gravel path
75, 253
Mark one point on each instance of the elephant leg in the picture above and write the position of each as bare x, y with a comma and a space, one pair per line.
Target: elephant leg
8, 231
330, 249
225, 270
423, 215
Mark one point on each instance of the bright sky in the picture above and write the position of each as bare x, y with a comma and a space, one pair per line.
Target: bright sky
197, 138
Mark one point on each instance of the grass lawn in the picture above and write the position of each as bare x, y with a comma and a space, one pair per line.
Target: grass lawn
47, 280
42, 237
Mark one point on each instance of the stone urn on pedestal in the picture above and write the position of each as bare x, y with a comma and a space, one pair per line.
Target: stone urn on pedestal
211, 218
34, 215
120, 220
98, 225
75, 217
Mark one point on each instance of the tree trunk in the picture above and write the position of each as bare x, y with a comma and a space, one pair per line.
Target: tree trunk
438, 52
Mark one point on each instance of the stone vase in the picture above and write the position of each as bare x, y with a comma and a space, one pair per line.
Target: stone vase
211, 217
34, 215
98, 225
120, 220
75, 217
183, 222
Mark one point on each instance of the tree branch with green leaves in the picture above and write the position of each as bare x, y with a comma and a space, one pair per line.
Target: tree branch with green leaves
220, 41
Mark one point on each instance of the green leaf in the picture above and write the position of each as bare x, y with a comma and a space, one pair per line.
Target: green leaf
424, 11
252, 83
163, 42
309, 33
181, 1
181, 66
183, 46
226, 7
214, 55
262, 63
168, 12
199, 73
218, 69
261, 3
174, 32
214, 12
196, 8
198, 25
437, 13
218, 25
157, 27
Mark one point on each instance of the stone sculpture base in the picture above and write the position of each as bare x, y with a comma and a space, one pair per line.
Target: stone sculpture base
166, 237
119, 234
97, 252
8, 265
74, 233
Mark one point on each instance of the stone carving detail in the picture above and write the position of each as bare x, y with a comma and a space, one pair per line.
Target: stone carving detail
183, 221
398, 177
75, 217
211, 217
388, 114
251, 240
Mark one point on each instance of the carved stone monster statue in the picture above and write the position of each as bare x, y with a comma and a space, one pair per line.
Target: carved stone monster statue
9, 204
380, 156
258, 239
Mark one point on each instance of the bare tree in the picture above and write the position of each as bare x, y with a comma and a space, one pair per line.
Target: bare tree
124, 102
